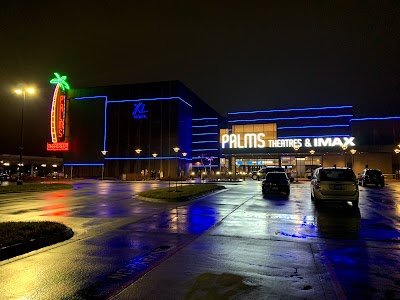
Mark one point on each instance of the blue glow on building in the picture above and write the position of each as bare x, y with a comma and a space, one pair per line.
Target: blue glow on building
203, 126
203, 142
290, 109
316, 126
198, 150
291, 118
311, 136
377, 119
206, 133
105, 114
204, 119
148, 158
150, 99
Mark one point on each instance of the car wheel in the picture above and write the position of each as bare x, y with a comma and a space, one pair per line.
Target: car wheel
363, 183
255, 177
312, 197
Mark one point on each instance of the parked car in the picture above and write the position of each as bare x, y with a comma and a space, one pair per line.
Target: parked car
371, 176
276, 182
4, 177
334, 184
260, 174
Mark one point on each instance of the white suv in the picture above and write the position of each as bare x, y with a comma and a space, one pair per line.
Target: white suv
334, 184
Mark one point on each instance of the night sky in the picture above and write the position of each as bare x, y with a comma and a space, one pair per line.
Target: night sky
234, 55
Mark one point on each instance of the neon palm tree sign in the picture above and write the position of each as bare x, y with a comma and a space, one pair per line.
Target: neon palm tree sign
58, 111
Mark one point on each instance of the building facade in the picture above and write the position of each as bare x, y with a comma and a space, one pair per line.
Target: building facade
164, 128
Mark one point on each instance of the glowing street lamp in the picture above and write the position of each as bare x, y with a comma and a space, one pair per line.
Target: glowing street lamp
23, 92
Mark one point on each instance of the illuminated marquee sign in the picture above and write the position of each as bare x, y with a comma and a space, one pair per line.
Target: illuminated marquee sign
139, 112
58, 113
63, 146
253, 140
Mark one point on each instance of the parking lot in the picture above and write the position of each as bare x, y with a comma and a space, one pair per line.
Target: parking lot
236, 242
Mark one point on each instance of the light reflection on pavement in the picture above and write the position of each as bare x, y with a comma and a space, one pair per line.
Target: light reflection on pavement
302, 251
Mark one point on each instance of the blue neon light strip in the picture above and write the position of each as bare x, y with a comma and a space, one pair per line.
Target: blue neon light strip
202, 126
311, 136
290, 109
147, 158
207, 133
82, 164
204, 166
197, 150
202, 119
89, 97
105, 115
292, 118
151, 99
202, 142
302, 127
378, 118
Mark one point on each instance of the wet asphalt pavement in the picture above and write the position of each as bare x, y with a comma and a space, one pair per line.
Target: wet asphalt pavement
235, 244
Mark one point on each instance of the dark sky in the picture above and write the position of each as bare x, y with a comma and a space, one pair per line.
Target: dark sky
235, 55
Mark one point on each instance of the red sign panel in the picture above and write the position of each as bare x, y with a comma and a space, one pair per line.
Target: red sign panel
58, 146
61, 118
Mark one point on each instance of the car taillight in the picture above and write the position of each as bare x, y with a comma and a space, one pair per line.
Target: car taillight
317, 185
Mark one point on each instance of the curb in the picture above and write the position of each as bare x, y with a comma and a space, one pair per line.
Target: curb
22, 248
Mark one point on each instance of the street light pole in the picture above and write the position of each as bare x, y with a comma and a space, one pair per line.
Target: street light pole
104, 152
176, 149
344, 147
154, 155
184, 155
352, 151
312, 152
22, 92
397, 151
138, 164
295, 157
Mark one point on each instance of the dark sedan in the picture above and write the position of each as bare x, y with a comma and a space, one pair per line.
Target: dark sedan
371, 176
276, 182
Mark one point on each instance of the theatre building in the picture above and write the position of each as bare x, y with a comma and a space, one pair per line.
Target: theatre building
164, 128
138, 129
302, 139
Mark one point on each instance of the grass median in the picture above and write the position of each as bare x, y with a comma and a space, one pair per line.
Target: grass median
17, 238
12, 233
181, 193
39, 187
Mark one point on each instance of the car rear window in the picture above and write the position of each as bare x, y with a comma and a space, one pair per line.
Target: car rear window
337, 175
277, 175
373, 172
272, 169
